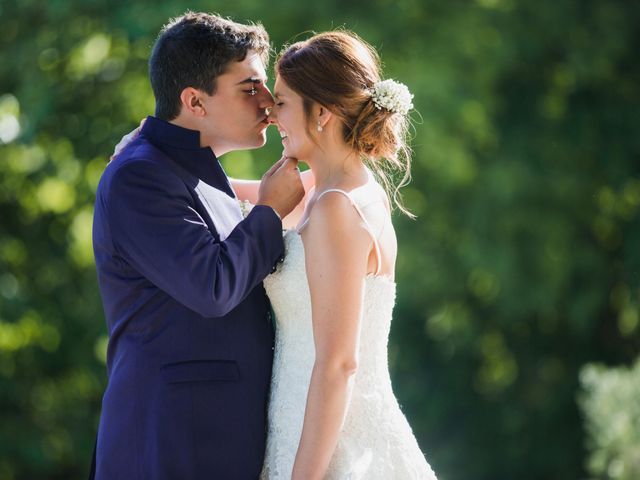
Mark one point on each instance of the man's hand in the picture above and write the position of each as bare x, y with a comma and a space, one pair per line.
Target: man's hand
281, 187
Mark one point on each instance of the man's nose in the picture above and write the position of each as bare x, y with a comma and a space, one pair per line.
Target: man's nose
266, 99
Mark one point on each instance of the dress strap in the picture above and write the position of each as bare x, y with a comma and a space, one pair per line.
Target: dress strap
345, 193
364, 219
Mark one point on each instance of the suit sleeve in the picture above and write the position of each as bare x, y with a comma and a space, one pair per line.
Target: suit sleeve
155, 229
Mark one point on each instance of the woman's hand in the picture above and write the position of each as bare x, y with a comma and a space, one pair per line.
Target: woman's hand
126, 140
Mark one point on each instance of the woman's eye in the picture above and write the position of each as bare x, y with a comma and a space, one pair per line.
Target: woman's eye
279, 104
252, 92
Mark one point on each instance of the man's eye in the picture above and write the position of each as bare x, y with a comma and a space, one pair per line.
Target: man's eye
253, 91
279, 104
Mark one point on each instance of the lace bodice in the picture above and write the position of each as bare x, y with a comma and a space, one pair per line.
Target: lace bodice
376, 441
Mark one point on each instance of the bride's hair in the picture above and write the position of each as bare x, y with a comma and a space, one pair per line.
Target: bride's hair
338, 70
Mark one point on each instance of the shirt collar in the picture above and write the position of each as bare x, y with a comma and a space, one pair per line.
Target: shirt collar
162, 132
183, 146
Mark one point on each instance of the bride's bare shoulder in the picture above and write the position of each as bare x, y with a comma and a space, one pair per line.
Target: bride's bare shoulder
335, 220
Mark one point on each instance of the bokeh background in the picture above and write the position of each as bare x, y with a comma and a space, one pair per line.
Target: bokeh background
517, 319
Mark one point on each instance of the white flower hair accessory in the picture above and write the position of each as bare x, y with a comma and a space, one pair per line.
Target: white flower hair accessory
393, 96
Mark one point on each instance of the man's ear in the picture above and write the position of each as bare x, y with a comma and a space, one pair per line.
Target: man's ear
191, 100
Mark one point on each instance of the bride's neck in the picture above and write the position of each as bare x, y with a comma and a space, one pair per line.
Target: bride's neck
332, 169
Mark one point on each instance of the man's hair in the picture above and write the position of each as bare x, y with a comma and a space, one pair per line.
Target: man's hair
193, 50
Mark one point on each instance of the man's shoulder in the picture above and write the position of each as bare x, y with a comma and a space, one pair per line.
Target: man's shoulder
138, 164
140, 150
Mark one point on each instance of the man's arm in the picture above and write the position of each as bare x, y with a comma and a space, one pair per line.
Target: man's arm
155, 229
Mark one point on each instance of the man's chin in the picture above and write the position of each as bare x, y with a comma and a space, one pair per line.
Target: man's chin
259, 141
251, 143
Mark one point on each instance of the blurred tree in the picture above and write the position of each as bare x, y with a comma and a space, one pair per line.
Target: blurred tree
519, 270
610, 401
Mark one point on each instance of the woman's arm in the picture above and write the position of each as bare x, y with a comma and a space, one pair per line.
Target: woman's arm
248, 190
245, 189
337, 247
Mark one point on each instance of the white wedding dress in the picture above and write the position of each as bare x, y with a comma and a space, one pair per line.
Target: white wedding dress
376, 441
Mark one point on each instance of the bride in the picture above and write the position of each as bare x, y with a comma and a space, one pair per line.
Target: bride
332, 411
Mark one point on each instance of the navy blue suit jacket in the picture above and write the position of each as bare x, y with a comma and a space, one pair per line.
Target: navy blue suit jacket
190, 333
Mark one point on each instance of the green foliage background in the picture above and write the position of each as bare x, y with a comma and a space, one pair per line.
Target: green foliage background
520, 269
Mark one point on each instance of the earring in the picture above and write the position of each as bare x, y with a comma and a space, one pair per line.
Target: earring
319, 126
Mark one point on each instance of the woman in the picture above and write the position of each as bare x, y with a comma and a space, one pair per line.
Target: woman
332, 412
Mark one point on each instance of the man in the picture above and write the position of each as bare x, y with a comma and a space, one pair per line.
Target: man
180, 271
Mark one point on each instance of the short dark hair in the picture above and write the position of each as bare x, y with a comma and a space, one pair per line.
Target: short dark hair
193, 50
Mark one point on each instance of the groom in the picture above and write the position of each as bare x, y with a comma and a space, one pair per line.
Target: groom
180, 271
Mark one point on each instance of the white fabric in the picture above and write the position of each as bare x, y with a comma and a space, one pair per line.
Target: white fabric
376, 442
224, 211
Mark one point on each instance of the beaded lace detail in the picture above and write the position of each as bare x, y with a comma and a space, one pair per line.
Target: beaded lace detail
376, 441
